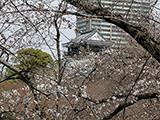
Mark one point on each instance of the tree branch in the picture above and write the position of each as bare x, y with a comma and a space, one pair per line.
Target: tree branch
139, 97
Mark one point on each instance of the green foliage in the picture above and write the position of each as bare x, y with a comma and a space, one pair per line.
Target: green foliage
31, 58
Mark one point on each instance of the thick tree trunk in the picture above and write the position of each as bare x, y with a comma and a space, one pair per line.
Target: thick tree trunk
139, 33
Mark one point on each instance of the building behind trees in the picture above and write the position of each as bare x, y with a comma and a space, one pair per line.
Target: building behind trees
131, 10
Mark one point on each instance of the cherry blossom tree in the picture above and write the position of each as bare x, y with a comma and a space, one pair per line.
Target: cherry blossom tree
112, 84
